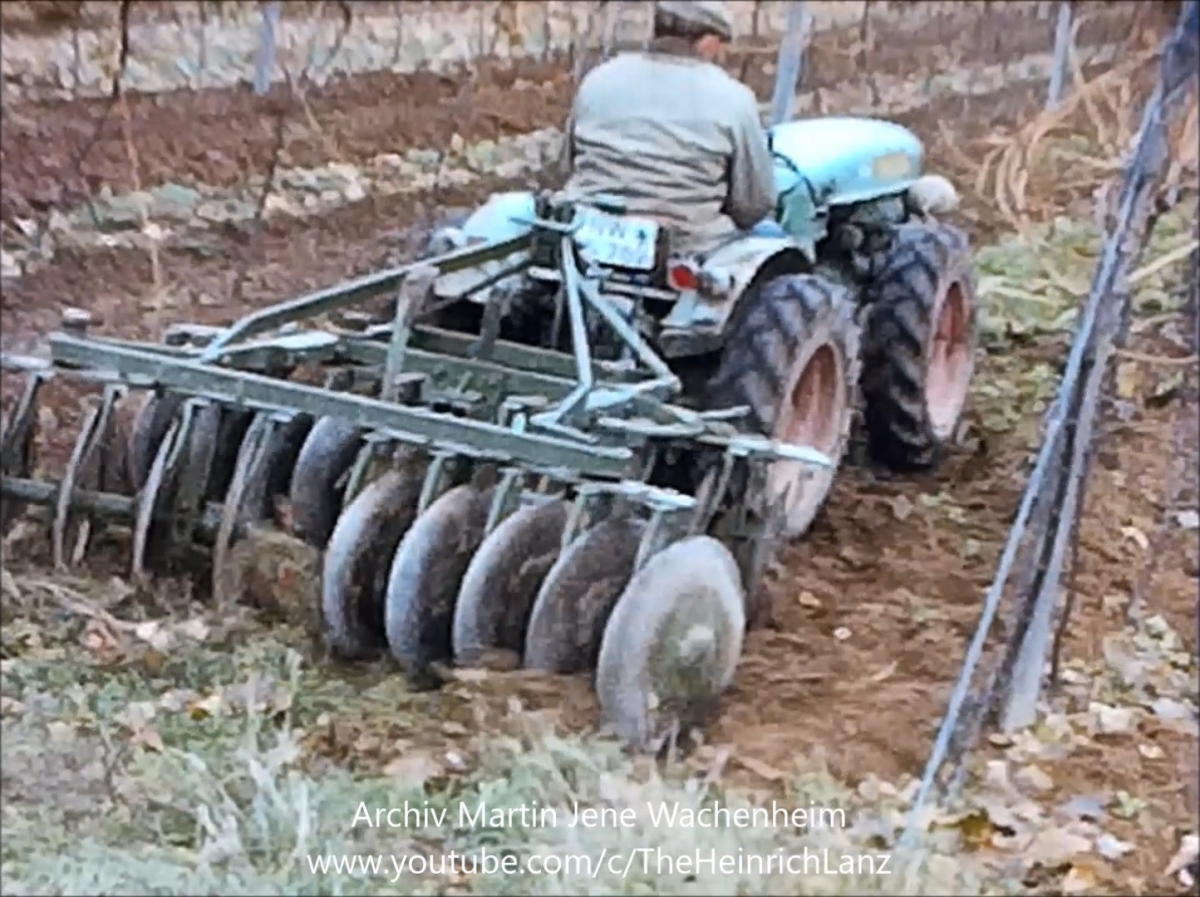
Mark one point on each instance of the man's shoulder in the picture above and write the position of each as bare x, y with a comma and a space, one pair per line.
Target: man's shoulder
735, 87
635, 65
617, 66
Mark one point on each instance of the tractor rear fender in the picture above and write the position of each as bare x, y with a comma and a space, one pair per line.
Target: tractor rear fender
728, 272
503, 217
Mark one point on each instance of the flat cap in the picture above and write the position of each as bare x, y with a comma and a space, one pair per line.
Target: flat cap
701, 16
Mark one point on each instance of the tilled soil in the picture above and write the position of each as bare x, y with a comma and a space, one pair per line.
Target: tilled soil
132, 295
57, 153
291, 256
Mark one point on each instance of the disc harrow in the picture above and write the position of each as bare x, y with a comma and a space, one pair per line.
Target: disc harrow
479, 501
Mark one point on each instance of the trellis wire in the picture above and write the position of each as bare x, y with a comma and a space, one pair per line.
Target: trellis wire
1105, 306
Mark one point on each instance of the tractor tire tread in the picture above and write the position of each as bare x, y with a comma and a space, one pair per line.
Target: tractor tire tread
901, 304
765, 331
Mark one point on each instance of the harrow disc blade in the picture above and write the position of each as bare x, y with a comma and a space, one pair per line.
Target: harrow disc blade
492, 612
153, 499
239, 507
315, 491
578, 594
235, 422
425, 577
357, 560
272, 476
85, 470
117, 473
18, 449
672, 642
195, 474
150, 427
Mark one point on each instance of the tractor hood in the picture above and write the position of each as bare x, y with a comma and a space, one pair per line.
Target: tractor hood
844, 160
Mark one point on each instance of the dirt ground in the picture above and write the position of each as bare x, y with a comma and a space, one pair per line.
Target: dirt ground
56, 153
873, 609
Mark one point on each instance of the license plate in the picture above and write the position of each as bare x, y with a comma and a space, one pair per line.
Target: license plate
616, 242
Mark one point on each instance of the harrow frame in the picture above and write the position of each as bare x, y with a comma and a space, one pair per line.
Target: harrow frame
591, 426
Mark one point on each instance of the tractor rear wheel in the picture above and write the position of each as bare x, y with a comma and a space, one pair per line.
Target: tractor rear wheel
791, 355
919, 346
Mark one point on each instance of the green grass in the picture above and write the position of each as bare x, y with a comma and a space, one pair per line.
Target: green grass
200, 776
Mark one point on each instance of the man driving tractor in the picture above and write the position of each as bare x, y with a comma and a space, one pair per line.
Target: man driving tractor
672, 134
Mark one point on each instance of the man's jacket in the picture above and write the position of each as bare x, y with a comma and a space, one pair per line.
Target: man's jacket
675, 137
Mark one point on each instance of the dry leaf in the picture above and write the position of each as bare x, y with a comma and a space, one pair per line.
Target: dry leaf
195, 629
902, 508
761, 769
1111, 847
155, 634
153, 661
996, 775
8, 585
176, 700
1136, 536
60, 731
10, 706
456, 762
1080, 879
1129, 379
1056, 847
842, 633
1188, 520
808, 599
148, 738
136, 714
1085, 806
885, 673
101, 641
1104, 719
413, 767
975, 829
1031, 778
204, 707
1186, 856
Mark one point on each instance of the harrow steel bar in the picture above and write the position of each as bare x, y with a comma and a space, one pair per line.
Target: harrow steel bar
243, 387
502, 372
103, 505
508, 381
367, 287
370, 348
40, 492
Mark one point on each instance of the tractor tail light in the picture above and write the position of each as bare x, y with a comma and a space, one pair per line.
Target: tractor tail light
682, 277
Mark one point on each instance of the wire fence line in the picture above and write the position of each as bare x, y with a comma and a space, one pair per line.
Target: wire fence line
1045, 530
